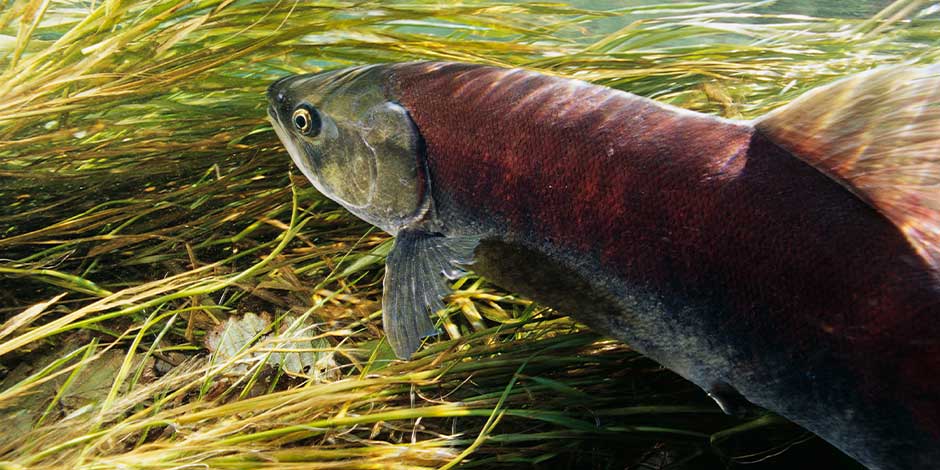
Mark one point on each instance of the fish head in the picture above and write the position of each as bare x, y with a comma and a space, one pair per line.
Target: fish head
356, 146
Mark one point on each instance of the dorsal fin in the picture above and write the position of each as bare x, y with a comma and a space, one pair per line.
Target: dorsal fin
878, 134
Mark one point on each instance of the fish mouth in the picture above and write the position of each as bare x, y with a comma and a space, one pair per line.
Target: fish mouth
272, 114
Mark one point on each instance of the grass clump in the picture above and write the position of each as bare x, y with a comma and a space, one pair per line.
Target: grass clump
145, 206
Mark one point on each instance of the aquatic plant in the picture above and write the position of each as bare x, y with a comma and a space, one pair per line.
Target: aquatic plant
173, 296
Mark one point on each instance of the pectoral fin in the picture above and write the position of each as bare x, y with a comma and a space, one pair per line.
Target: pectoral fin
732, 402
416, 273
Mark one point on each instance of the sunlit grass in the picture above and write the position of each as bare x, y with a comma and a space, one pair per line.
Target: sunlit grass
145, 200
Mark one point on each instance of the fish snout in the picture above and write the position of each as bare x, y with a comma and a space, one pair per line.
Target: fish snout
280, 104
277, 90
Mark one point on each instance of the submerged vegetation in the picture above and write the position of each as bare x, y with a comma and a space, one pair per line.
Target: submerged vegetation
172, 296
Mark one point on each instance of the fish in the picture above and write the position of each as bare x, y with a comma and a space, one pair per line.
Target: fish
790, 262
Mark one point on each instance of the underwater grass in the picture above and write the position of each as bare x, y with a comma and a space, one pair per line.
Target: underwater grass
146, 206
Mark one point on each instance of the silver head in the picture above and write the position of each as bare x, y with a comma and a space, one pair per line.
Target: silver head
355, 145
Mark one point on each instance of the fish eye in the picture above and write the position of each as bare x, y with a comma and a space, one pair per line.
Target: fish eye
307, 120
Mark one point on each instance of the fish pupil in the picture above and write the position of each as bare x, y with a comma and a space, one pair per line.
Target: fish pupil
300, 121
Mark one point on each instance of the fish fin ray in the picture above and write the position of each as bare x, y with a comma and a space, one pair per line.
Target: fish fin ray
878, 134
416, 273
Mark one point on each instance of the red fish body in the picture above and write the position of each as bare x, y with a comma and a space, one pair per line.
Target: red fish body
701, 242
762, 272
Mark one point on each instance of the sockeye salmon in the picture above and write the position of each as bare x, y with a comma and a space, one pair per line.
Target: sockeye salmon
792, 261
